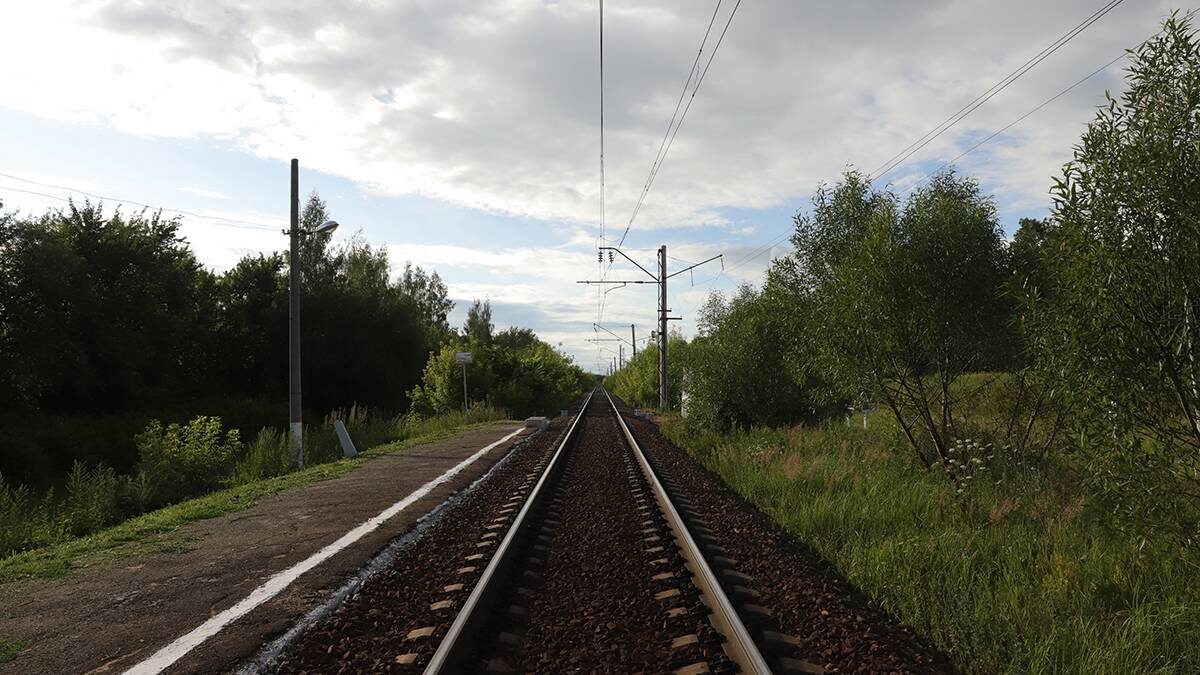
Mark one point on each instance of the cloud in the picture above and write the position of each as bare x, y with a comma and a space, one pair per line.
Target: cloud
495, 105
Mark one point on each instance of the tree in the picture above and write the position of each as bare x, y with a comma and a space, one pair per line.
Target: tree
637, 382
363, 339
251, 324
478, 327
1027, 256
749, 366
100, 312
904, 300
1121, 330
526, 379
430, 295
515, 338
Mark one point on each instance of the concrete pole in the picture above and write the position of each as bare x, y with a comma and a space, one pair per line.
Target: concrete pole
295, 409
662, 327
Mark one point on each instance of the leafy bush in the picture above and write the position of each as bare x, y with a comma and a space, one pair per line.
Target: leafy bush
92, 497
1121, 327
185, 461
533, 379
751, 364
637, 382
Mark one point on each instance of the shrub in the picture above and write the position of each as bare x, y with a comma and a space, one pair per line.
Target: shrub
1121, 327
25, 521
269, 454
184, 461
91, 501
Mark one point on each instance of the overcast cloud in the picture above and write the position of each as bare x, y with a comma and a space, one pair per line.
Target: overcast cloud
494, 105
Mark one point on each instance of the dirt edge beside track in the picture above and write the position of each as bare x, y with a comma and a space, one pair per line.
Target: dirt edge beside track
108, 618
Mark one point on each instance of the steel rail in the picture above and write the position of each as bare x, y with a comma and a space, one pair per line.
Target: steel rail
739, 645
447, 658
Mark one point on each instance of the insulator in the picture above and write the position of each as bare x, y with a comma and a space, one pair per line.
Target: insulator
610, 256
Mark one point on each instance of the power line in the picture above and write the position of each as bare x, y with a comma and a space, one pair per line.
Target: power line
767, 247
671, 124
231, 222
1013, 123
602, 241
602, 195
1033, 110
946, 124
674, 124
675, 117
657, 166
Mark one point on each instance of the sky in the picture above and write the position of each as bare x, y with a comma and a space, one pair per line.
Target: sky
464, 136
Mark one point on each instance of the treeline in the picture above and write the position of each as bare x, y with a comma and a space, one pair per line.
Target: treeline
1081, 335
512, 369
108, 322
102, 313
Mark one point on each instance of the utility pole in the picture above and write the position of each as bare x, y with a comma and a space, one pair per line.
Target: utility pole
295, 411
621, 355
663, 310
633, 339
295, 407
662, 327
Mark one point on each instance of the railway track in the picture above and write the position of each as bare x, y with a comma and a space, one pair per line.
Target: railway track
693, 620
582, 558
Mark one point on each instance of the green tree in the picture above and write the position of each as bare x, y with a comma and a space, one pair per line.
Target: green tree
1027, 256
366, 338
637, 382
100, 312
430, 295
905, 300
515, 338
1121, 330
749, 366
363, 339
525, 379
478, 327
252, 324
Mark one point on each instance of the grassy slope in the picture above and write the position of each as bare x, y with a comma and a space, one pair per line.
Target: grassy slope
1016, 576
158, 530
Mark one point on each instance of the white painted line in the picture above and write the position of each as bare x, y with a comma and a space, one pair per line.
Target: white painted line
168, 655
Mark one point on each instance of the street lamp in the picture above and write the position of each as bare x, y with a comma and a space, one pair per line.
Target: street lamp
296, 415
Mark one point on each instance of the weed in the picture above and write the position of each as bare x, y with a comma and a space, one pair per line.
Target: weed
1016, 577
53, 553
9, 649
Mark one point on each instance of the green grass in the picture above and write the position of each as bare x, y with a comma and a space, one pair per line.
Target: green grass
158, 531
1014, 574
10, 648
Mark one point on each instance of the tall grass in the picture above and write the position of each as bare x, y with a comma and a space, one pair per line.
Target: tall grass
179, 462
1014, 573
